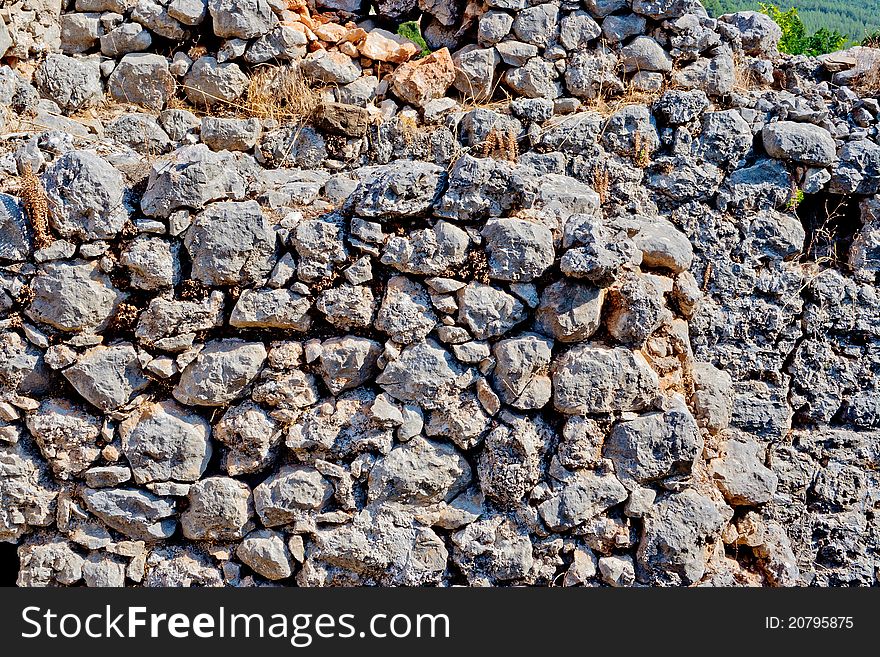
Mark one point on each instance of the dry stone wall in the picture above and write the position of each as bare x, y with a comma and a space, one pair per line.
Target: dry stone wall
585, 295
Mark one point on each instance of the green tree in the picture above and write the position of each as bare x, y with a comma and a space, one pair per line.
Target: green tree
795, 39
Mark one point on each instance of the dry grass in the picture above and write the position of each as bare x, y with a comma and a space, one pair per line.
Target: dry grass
607, 104
869, 83
36, 206
602, 182
743, 78
280, 93
500, 145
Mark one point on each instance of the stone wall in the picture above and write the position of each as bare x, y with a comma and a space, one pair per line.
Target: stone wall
588, 295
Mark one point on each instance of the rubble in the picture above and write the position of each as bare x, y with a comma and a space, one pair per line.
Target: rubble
559, 297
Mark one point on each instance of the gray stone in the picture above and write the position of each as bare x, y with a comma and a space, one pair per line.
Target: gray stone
428, 251
509, 465
137, 514
383, 544
164, 442
487, 311
140, 132
520, 372
86, 196
79, 32
320, 246
16, 242
220, 373
656, 448
799, 142
209, 82
858, 171
231, 243
673, 548
243, 19
677, 107
73, 296
419, 472
152, 263
348, 362
166, 319
251, 436
282, 43
107, 377
712, 400
594, 379
348, 306
155, 17
493, 27
26, 490
518, 250
104, 570
280, 308
289, 493
725, 140
537, 25
618, 28
405, 313
230, 134
759, 34
534, 79
192, 179
666, 9
423, 374
715, 76
66, 435
570, 312
178, 123
591, 73
143, 79
266, 553
644, 54
636, 309
475, 71
220, 509
595, 253
617, 570
127, 38
583, 496
53, 563
740, 472
397, 191
74, 84
516, 53
330, 67
188, 12
764, 186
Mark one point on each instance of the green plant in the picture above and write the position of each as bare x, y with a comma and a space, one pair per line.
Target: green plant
872, 40
411, 30
795, 39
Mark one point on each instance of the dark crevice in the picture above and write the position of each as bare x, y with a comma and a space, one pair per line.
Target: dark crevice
8, 564
830, 222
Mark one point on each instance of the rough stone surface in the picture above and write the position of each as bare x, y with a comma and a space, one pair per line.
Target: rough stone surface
585, 295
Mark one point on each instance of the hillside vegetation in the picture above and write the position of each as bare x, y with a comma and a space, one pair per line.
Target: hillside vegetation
856, 19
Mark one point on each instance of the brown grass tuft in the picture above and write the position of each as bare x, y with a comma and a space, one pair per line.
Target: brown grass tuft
602, 182
500, 145
281, 93
36, 206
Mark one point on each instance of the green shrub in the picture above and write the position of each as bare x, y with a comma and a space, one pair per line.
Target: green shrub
410, 30
795, 40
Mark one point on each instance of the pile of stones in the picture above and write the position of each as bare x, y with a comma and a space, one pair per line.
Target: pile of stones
587, 295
